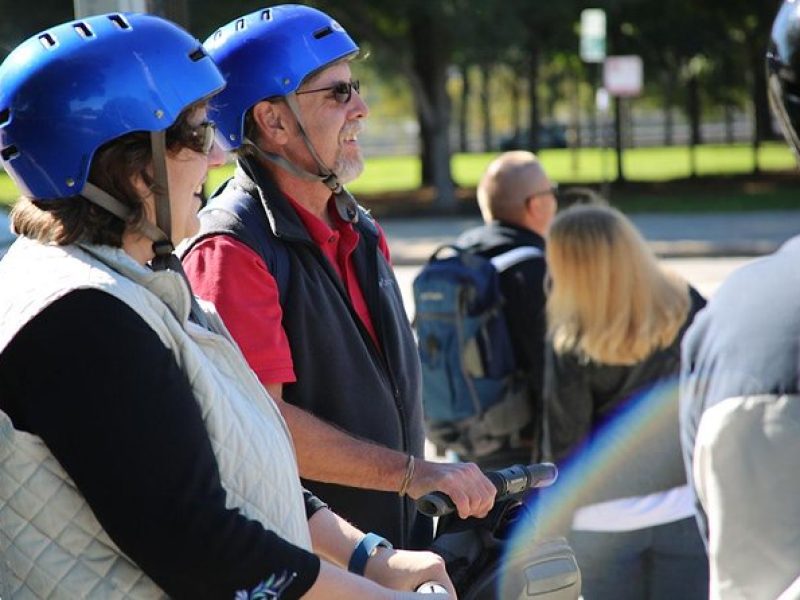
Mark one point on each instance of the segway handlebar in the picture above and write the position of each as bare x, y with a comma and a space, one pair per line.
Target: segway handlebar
511, 481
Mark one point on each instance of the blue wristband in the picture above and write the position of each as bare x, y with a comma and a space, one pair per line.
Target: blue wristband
365, 548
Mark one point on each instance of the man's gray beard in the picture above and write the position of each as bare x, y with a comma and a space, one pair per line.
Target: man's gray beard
348, 169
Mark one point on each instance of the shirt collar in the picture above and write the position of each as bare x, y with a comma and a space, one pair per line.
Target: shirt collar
318, 230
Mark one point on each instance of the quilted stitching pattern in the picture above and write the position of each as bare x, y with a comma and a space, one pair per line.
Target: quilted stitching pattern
50, 539
52, 546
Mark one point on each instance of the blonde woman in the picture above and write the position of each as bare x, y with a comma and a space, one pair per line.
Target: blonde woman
615, 322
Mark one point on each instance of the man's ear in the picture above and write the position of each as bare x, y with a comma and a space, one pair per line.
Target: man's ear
532, 205
270, 121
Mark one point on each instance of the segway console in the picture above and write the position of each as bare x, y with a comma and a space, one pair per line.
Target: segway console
479, 561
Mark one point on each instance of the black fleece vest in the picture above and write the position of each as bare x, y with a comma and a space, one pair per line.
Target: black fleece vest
342, 377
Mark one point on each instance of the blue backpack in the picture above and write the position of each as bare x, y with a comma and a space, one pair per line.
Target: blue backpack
474, 396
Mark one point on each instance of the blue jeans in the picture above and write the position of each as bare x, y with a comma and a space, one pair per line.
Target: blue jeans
666, 562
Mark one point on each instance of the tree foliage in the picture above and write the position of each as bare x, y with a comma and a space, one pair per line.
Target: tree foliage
699, 55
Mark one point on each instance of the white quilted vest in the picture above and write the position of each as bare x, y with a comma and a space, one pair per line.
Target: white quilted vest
52, 546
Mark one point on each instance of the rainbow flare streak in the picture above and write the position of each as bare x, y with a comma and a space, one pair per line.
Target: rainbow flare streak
623, 440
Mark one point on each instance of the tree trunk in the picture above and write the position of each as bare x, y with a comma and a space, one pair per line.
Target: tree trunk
762, 124
595, 137
762, 115
486, 113
534, 55
463, 111
669, 100
431, 57
693, 112
176, 11
730, 119
618, 138
575, 126
516, 107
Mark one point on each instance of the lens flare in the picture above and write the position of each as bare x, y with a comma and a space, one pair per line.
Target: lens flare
631, 440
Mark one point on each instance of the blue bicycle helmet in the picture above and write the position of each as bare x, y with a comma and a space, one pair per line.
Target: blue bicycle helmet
70, 89
269, 53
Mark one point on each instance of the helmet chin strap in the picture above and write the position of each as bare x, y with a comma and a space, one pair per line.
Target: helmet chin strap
346, 205
105, 200
165, 259
162, 244
163, 247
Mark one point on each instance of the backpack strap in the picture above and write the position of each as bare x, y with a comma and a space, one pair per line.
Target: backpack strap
506, 260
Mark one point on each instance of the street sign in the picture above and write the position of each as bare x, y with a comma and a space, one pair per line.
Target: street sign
623, 76
593, 35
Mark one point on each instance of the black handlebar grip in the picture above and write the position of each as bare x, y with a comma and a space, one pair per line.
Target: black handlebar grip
435, 504
510, 481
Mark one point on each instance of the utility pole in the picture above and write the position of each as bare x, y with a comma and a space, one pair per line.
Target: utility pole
174, 10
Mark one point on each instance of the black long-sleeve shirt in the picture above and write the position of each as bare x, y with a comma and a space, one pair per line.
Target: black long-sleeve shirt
95, 382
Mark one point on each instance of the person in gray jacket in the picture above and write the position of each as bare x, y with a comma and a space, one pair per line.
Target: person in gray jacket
740, 402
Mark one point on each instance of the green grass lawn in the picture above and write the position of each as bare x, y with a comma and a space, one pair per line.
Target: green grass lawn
401, 173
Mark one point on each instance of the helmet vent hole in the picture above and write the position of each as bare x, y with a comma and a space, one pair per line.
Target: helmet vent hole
197, 54
9, 153
119, 21
48, 41
5, 115
83, 30
240, 24
266, 15
321, 33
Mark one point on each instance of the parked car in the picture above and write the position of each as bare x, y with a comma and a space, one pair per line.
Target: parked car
551, 135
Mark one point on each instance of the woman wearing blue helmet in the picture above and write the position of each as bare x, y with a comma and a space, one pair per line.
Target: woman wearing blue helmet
139, 455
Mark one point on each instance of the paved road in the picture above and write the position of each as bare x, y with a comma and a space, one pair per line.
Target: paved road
706, 274
670, 235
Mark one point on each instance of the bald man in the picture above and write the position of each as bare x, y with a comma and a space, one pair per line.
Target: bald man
518, 203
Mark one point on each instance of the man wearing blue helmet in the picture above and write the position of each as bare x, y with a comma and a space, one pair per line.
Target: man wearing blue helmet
140, 457
740, 392
301, 275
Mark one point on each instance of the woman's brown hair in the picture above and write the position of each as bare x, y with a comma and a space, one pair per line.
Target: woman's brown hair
115, 167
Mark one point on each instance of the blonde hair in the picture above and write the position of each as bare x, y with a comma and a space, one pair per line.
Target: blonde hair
609, 300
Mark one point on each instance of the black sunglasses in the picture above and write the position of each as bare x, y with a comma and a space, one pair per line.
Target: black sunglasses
199, 138
551, 190
342, 91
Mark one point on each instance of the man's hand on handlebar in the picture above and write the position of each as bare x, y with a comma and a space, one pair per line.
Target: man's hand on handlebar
511, 482
469, 489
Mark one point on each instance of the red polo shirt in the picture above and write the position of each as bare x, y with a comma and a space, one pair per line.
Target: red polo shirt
228, 273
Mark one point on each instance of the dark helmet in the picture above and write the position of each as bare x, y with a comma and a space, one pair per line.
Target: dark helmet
783, 72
